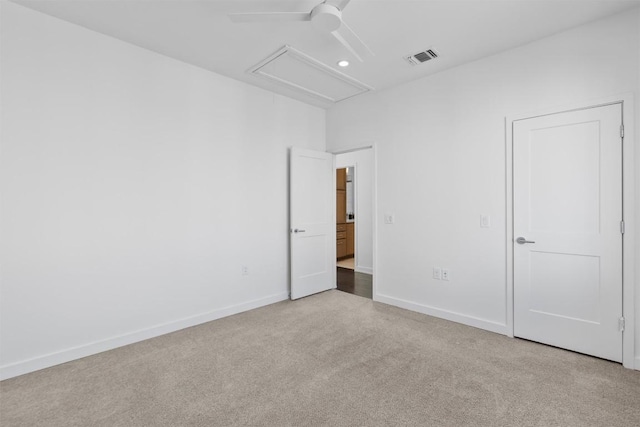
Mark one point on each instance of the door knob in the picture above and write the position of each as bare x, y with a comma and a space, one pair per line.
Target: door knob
296, 230
522, 241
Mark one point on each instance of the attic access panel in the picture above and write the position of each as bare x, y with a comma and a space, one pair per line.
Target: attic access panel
302, 73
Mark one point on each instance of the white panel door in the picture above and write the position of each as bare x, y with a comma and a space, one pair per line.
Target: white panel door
567, 206
313, 222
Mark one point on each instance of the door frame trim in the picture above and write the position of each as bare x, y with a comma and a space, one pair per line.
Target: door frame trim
628, 213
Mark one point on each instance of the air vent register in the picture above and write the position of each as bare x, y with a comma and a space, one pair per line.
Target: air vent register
421, 57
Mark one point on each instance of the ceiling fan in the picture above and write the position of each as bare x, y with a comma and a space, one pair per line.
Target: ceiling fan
326, 16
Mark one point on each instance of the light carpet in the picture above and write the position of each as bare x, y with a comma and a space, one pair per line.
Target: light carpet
332, 359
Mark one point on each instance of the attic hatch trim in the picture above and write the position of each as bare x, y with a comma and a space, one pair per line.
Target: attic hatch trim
307, 60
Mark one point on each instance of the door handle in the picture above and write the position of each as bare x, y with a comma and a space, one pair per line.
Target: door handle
522, 241
296, 230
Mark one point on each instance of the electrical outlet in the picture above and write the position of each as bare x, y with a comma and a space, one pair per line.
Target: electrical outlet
437, 273
245, 270
445, 274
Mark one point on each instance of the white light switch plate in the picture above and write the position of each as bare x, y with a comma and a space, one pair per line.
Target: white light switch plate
485, 221
389, 218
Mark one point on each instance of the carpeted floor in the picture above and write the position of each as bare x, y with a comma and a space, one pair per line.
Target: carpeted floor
332, 359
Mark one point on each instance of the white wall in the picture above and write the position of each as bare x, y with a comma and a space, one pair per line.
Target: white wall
363, 162
445, 134
134, 187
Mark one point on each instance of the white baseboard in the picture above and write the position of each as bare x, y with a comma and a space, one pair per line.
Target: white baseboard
488, 325
367, 270
637, 363
63, 356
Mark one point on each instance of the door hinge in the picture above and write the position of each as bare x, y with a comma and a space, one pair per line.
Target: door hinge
621, 324
621, 227
622, 131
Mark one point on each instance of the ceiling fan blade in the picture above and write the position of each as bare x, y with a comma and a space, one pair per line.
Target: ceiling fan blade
352, 42
270, 17
340, 4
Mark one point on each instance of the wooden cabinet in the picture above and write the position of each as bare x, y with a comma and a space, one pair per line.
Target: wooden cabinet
350, 238
341, 179
341, 248
341, 240
345, 240
341, 206
341, 196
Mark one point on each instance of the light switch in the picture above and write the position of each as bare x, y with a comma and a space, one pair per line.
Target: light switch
485, 221
389, 218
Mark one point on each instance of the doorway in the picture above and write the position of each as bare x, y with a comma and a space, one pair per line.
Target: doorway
567, 230
345, 217
354, 222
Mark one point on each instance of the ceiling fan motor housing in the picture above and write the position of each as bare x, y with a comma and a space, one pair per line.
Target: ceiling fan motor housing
326, 17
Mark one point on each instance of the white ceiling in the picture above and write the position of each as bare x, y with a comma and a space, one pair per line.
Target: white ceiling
200, 33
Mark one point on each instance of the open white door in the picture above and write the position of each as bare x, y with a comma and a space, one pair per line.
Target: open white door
312, 222
567, 188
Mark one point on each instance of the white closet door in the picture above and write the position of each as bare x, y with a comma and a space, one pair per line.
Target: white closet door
567, 188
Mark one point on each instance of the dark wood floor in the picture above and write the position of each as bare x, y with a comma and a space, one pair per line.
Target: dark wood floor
350, 281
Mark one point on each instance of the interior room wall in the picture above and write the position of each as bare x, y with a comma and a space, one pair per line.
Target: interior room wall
445, 135
363, 162
134, 188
